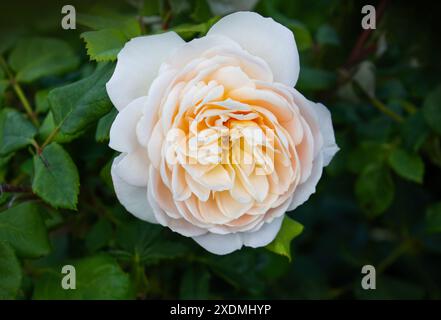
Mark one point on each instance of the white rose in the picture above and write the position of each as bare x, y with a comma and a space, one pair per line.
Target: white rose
215, 142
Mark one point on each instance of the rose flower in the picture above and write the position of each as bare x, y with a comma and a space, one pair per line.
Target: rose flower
215, 142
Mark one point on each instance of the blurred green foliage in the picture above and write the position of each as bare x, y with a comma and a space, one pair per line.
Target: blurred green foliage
378, 203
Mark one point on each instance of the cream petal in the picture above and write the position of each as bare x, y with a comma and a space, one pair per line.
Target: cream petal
137, 66
330, 148
231, 78
309, 114
155, 145
133, 168
134, 199
267, 99
264, 38
305, 152
217, 179
180, 226
229, 206
239, 193
201, 192
123, 131
196, 47
256, 185
180, 189
265, 235
185, 209
210, 212
304, 190
147, 122
220, 244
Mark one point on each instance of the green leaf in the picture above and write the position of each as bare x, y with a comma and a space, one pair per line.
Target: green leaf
282, 243
10, 272
365, 154
41, 101
98, 22
433, 218
407, 165
16, 131
104, 124
99, 235
432, 110
315, 79
195, 284
48, 126
146, 241
78, 105
105, 174
56, 177
188, 31
8, 38
326, 35
23, 228
301, 33
104, 45
414, 131
34, 58
241, 269
4, 84
97, 277
375, 189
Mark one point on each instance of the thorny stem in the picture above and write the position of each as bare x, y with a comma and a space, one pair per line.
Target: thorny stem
20, 94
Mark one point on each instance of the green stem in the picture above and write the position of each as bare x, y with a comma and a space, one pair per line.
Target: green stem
50, 137
394, 255
20, 94
374, 101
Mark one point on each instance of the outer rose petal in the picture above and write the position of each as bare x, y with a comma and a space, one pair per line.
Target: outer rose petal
133, 168
123, 136
264, 38
226, 243
134, 199
219, 243
330, 148
264, 235
304, 191
138, 65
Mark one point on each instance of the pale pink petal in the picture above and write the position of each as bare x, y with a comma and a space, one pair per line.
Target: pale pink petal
264, 38
264, 235
134, 168
133, 198
123, 131
138, 65
219, 244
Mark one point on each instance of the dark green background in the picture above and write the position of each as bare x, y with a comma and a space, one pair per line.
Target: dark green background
377, 203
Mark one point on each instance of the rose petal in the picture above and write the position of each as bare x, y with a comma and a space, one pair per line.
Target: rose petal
330, 148
133, 168
134, 199
264, 235
123, 131
304, 190
138, 65
219, 243
264, 38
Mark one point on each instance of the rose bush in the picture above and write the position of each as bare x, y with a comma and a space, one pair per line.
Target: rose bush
223, 190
